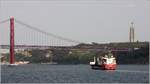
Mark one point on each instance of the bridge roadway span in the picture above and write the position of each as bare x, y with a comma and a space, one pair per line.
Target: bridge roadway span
64, 47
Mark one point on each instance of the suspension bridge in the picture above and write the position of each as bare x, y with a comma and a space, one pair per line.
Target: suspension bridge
16, 34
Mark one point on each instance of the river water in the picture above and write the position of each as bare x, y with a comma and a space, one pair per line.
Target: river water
44, 73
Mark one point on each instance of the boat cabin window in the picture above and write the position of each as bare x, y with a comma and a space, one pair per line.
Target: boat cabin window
104, 60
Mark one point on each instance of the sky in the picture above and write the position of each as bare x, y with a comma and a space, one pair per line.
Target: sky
100, 21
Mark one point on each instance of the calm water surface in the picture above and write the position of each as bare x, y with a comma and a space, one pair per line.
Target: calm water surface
44, 73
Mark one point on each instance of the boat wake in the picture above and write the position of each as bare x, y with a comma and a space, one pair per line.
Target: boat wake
131, 71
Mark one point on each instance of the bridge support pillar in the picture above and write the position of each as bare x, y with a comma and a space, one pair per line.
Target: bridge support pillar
12, 57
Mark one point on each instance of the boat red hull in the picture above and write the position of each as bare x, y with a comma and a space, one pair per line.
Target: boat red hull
109, 66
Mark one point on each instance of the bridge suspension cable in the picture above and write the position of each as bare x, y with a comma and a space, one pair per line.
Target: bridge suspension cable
4, 21
46, 33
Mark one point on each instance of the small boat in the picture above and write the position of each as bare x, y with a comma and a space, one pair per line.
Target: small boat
106, 62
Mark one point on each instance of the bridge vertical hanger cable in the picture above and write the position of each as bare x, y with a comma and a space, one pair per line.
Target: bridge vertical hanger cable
4, 41
46, 33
